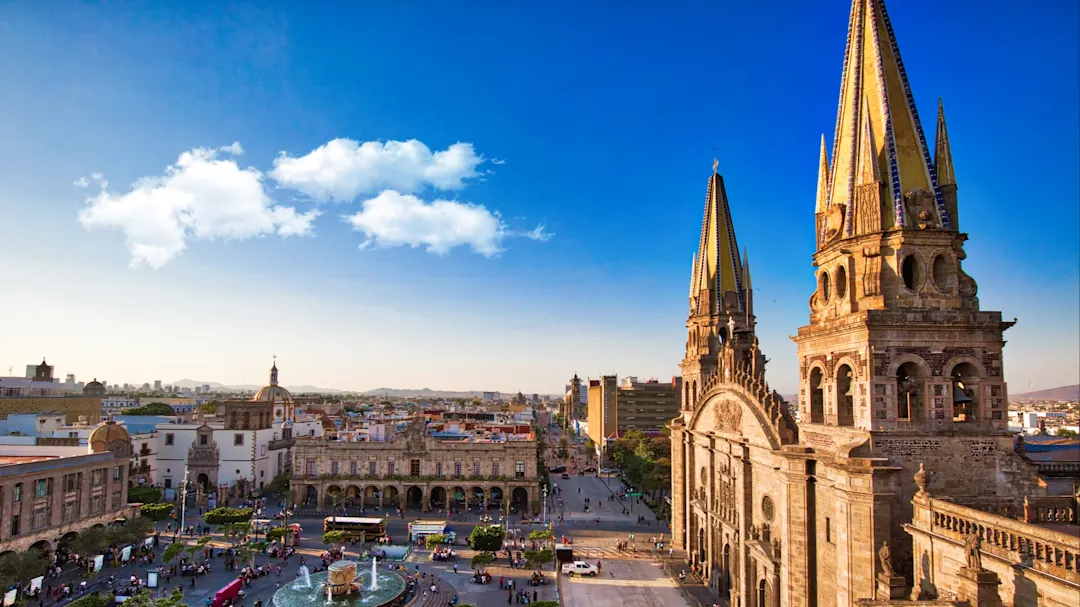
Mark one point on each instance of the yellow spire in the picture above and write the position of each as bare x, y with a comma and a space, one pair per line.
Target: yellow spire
943, 164
867, 165
717, 268
874, 83
822, 179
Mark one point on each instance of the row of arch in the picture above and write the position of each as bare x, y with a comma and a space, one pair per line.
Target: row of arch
413, 497
45, 547
911, 403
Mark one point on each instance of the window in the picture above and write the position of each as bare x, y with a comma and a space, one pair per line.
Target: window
97, 477
238, 439
117, 474
70, 511
69, 482
457, 468
312, 468
352, 468
14, 525
414, 467
168, 483
476, 469
828, 530
204, 439
116, 500
519, 469
438, 469
495, 469
333, 468
371, 469
97, 504
390, 468
39, 519
16, 494
170, 438
41, 489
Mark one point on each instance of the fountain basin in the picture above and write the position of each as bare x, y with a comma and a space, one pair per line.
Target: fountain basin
391, 589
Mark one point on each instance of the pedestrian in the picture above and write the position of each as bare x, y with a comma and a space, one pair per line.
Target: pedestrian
534, 596
192, 581
455, 568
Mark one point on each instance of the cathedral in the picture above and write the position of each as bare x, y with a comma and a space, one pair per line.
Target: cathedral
898, 458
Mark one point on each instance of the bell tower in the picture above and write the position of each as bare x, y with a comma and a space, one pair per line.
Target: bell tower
721, 297
896, 339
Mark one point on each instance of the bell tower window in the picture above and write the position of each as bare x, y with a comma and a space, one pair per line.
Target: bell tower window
965, 379
845, 410
909, 397
817, 397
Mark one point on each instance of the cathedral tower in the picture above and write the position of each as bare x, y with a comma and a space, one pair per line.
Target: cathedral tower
721, 298
896, 340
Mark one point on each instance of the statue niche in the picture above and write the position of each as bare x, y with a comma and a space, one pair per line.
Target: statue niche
920, 208
729, 416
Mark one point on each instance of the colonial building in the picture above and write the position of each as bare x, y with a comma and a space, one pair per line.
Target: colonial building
899, 368
51, 493
414, 470
246, 444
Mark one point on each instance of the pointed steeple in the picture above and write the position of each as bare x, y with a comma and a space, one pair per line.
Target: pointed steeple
717, 269
875, 84
748, 294
273, 373
822, 179
866, 163
943, 166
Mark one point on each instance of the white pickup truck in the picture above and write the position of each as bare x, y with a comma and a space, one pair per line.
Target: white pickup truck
579, 568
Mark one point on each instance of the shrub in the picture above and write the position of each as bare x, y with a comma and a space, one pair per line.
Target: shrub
144, 495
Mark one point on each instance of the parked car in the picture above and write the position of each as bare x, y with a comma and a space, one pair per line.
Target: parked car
559, 469
589, 469
607, 471
579, 568
565, 475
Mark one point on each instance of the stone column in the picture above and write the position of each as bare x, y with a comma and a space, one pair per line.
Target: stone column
800, 541
979, 587
678, 487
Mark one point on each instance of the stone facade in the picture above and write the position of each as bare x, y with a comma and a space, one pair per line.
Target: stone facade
46, 503
899, 369
416, 471
73, 407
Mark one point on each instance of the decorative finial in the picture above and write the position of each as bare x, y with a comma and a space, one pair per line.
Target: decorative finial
920, 479
715, 162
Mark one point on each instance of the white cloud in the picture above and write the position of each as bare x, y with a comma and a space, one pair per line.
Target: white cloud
235, 149
538, 234
392, 219
82, 182
201, 197
498, 161
343, 169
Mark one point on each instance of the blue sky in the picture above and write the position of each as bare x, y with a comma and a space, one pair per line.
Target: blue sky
595, 120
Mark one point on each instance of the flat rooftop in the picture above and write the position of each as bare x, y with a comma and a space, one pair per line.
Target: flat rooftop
8, 460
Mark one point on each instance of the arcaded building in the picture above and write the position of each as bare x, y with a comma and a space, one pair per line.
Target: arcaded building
900, 370
413, 469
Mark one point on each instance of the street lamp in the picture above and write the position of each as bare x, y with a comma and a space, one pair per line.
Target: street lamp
545, 503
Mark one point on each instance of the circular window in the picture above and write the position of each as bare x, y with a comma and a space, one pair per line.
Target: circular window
841, 282
767, 509
824, 285
911, 271
943, 273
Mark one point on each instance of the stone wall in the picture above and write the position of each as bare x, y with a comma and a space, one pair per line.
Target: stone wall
72, 407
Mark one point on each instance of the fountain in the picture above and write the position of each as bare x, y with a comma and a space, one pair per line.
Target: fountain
303, 578
342, 586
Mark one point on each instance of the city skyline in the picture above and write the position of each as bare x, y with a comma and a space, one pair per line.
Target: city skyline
424, 214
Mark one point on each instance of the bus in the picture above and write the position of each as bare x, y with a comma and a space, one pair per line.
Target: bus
356, 527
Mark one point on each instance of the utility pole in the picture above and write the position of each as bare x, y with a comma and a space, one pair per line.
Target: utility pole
183, 500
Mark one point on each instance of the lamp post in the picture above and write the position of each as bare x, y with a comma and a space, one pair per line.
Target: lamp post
545, 503
183, 501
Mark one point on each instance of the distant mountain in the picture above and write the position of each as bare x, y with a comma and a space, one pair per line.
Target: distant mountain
1071, 393
214, 386
420, 393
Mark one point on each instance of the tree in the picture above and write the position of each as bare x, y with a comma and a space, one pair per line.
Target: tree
279, 485
209, 407
146, 599
487, 538
21, 567
1063, 431
94, 599
248, 550
157, 512
434, 540
535, 559
91, 542
278, 534
333, 537
481, 559
174, 549
144, 495
151, 409
224, 515
133, 530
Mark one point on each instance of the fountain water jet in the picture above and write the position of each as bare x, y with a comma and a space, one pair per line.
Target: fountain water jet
374, 576
303, 578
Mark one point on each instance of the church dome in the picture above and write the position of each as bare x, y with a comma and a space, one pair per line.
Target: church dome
94, 388
272, 394
110, 436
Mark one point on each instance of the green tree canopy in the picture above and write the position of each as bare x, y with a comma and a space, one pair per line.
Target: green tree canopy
151, 409
487, 538
146, 598
223, 515
333, 537
21, 567
436, 539
94, 599
541, 535
157, 512
278, 533
279, 484
535, 559
481, 559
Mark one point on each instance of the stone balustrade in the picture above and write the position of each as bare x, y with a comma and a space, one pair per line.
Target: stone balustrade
1047, 550
1050, 509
